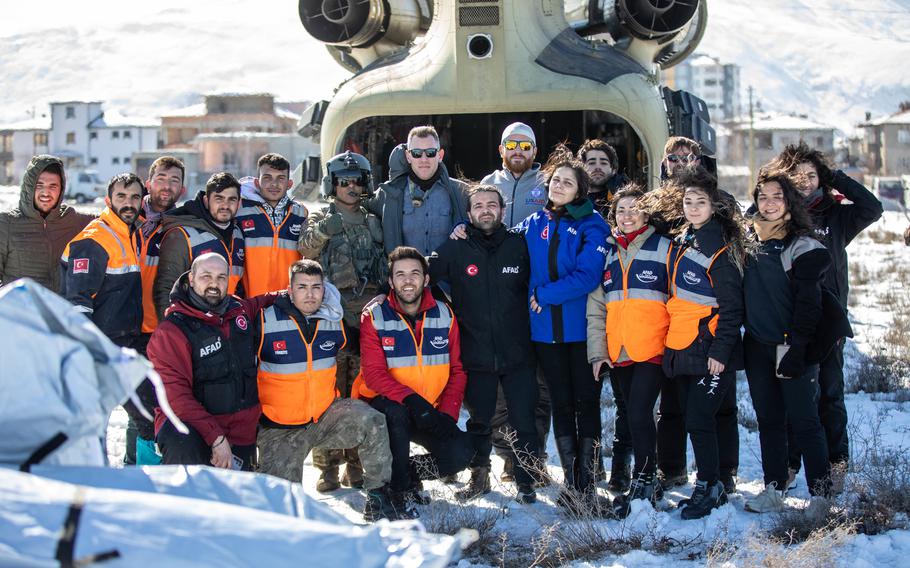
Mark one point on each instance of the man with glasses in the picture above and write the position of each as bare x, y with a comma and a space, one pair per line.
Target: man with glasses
347, 241
271, 223
420, 204
679, 153
520, 179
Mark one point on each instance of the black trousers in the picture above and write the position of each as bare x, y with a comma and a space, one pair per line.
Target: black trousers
703, 397
574, 394
446, 455
640, 385
191, 449
832, 411
519, 389
622, 436
671, 430
779, 402
542, 417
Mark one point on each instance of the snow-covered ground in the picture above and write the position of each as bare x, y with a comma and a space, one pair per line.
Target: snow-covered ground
874, 420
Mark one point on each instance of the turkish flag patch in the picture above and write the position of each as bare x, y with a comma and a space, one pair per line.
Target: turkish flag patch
80, 266
388, 342
280, 347
248, 224
472, 270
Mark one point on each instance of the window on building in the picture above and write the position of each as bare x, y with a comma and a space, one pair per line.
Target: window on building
70, 112
92, 135
903, 136
115, 134
127, 133
40, 138
764, 140
94, 161
70, 137
710, 82
6, 143
126, 160
819, 142
115, 161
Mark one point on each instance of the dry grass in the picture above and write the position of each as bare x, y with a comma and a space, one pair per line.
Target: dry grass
880, 236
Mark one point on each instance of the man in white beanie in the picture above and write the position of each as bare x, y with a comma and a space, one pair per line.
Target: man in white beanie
520, 179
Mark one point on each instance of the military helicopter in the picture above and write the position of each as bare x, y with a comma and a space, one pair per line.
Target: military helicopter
571, 69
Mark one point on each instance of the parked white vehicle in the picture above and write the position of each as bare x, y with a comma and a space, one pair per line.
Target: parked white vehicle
85, 186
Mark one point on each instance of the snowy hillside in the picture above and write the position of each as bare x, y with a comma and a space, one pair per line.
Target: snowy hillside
833, 59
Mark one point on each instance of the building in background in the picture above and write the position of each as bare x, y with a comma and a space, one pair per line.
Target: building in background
714, 82
885, 145
18, 143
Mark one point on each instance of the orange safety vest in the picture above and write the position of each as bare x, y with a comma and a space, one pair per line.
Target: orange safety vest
148, 264
692, 297
201, 242
297, 379
270, 250
421, 365
636, 296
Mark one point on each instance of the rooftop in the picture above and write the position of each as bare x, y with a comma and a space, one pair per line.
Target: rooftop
902, 117
114, 119
37, 123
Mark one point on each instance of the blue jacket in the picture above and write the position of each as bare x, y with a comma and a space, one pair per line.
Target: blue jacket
568, 252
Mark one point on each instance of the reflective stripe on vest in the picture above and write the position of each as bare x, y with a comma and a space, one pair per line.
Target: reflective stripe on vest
201, 242
270, 250
636, 296
693, 298
148, 262
423, 365
297, 379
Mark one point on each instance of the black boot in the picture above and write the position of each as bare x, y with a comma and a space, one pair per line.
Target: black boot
379, 505
526, 494
706, 497
586, 480
479, 485
728, 478
620, 473
567, 446
643, 486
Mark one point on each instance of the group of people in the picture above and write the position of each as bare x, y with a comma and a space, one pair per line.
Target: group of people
359, 329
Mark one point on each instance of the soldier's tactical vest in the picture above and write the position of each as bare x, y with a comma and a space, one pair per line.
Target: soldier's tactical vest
692, 303
224, 370
202, 242
270, 250
636, 296
355, 258
296, 378
420, 364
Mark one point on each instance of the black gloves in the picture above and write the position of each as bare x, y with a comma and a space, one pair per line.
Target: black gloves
332, 225
793, 363
428, 418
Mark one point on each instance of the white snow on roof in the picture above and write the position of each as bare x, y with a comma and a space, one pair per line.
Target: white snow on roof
788, 122
37, 123
243, 134
197, 109
703, 60
114, 119
285, 113
896, 118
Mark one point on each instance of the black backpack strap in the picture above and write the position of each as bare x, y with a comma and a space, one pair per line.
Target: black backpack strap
43, 451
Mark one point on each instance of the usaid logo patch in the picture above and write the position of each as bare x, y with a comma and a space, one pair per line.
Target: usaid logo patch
691, 278
80, 266
280, 347
388, 343
439, 342
535, 197
248, 225
646, 277
209, 349
472, 270
510, 270
295, 229
241, 322
327, 345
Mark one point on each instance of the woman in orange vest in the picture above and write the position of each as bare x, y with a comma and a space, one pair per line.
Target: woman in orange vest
703, 345
627, 326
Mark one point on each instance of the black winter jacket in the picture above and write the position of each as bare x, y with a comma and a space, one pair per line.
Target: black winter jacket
489, 280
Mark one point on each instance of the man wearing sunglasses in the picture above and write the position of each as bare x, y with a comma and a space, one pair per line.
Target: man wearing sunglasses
420, 204
679, 153
519, 180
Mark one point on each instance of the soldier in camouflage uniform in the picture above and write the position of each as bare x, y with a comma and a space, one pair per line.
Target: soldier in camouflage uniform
347, 241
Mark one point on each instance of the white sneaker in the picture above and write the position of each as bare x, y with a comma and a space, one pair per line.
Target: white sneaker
768, 501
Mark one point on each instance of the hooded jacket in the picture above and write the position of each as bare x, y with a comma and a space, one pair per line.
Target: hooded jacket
524, 195
175, 253
388, 204
170, 351
568, 251
30, 244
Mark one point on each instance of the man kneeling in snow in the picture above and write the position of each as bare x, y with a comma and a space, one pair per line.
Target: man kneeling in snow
301, 337
205, 351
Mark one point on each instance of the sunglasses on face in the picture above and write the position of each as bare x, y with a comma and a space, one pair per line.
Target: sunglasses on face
673, 158
346, 182
418, 153
524, 145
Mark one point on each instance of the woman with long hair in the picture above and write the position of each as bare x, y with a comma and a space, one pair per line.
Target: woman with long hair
783, 300
566, 243
703, 344
627, 326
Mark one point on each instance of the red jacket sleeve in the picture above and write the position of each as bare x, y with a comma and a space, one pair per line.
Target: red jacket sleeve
257, 303
169, 352
372, 363
453, 394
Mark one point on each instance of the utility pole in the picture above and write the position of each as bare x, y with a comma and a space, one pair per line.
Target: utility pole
751, 141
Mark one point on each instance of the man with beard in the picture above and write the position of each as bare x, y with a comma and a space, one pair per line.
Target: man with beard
101, 265
488, 273
205, 224
410, 351
520, 179
205, 350
602, 165
836, 225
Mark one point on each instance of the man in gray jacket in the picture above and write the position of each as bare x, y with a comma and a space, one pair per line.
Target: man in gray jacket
520, 179
420, 204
